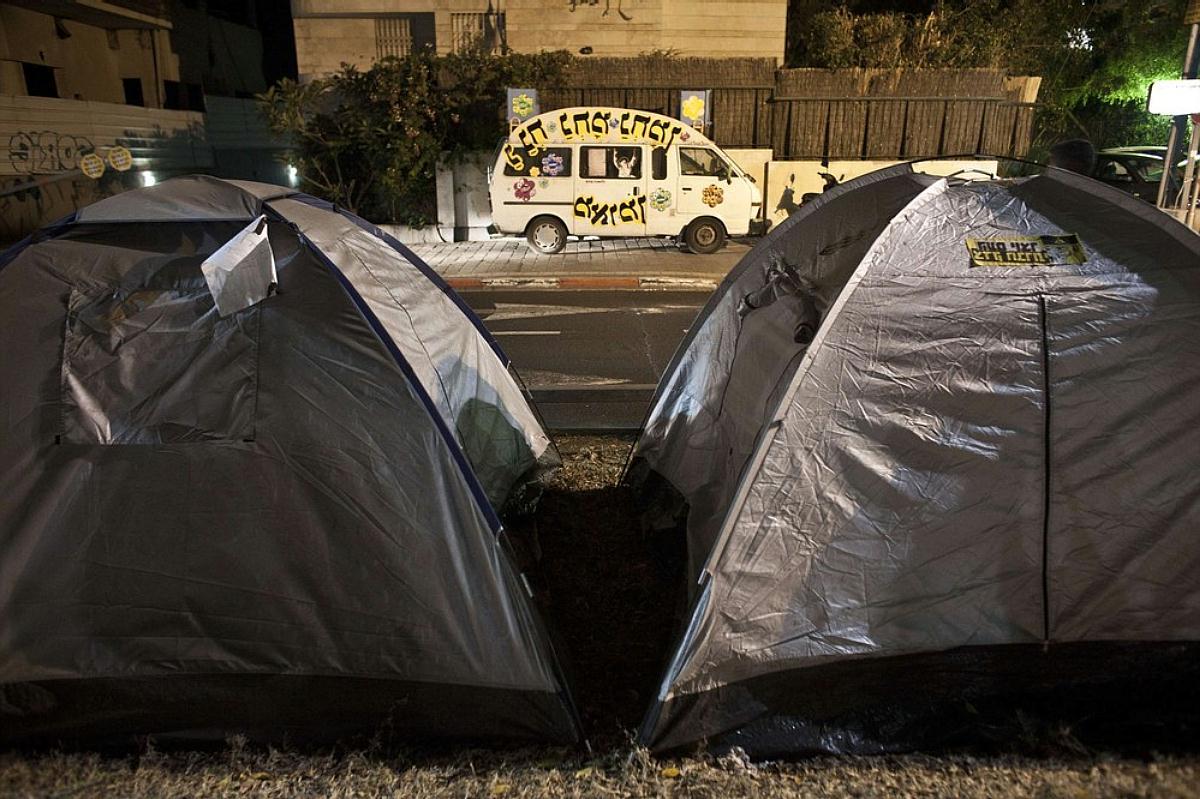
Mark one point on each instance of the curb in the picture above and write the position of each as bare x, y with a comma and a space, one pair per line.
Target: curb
626, 282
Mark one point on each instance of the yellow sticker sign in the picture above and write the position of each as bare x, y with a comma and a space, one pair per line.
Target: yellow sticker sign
92, 165
1027, 251
119, 158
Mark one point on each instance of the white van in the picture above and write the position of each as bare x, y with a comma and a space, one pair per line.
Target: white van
618, 172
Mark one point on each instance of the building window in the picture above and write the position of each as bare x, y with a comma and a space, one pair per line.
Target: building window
466, 30
393, 37
179, 96
237, 11
114, 39
133, 91
39, 80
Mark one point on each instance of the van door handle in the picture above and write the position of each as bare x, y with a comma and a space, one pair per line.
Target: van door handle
686, 188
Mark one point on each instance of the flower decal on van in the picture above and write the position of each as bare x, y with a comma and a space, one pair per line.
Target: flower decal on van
660, 199
712, 196
524, 190
522, 105
552, 165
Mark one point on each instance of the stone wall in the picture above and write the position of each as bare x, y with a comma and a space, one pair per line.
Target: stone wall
330, 32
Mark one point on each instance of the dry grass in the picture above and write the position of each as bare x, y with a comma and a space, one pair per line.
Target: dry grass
614, 605
545, 774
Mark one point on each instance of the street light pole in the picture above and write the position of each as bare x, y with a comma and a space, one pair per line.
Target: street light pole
1191, 65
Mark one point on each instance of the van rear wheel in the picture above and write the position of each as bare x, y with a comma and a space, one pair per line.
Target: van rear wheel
546, 235
704, 236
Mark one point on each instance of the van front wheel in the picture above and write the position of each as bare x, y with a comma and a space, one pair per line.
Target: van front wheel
704, 236
546, 235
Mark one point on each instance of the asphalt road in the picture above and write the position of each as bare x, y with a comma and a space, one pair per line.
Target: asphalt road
591, 359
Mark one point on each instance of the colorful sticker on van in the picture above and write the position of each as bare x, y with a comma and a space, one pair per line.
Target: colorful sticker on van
712, 196
524, 190
552, 165
660, 199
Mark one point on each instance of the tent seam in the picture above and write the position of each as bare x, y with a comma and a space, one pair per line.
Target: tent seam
1043, 319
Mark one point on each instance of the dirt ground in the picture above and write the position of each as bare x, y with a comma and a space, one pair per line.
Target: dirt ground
612, 599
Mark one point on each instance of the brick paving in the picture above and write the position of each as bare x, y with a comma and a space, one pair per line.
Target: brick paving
639, 257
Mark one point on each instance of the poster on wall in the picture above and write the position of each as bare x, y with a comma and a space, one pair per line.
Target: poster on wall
520, 105
695, 109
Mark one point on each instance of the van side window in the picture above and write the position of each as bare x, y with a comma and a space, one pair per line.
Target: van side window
550, 162
611, 162
701, 161
658, 163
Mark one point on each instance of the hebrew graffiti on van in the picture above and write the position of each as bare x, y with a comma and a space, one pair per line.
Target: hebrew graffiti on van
596, 125
46, 151
631, 209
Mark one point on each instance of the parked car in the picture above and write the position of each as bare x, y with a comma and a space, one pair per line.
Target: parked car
619, 172
1137, 170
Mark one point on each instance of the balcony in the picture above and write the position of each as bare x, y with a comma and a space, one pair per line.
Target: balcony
141, 14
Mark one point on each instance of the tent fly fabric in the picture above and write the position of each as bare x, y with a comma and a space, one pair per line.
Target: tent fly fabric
232, 509
935, 445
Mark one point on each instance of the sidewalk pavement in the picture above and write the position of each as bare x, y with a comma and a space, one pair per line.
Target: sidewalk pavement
597, 264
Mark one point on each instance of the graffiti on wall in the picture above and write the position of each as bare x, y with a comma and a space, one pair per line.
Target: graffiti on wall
25, 210
592, 125
631, 209
46, 151
574, 4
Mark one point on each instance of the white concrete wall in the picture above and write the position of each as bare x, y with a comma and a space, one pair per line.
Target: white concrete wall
804, 177
42, 140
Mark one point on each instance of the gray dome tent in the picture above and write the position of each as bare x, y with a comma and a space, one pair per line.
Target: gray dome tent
228, 509
935, 441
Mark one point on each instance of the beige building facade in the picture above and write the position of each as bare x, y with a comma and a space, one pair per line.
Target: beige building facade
93, 51
359, 32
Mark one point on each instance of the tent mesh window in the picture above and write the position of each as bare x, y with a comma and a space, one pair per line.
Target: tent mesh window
152, 366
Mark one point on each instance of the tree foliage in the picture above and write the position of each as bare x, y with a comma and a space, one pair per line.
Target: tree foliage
370, 140
1097, 58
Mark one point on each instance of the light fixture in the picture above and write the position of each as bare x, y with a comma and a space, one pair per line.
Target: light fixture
1174, 97
148, 179
293, 175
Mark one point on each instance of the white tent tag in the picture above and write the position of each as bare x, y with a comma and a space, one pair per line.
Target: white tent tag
241, 273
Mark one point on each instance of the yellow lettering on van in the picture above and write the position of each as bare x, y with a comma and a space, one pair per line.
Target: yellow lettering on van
599, 125
513, 158
532, 135
631, 209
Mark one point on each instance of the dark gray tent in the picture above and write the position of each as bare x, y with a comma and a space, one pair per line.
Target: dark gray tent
935, 441
224, 508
